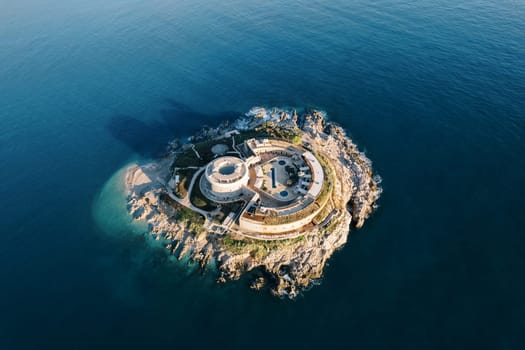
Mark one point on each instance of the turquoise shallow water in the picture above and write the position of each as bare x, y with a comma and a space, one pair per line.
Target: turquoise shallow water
433, 91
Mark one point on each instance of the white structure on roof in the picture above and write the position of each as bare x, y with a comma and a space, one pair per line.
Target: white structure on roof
317, 174
224, 179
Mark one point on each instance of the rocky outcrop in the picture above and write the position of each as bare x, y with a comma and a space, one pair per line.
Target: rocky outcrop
289, 266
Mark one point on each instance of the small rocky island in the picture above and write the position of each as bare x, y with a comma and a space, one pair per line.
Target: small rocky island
273, 193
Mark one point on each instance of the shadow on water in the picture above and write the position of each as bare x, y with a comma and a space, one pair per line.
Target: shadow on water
149, 137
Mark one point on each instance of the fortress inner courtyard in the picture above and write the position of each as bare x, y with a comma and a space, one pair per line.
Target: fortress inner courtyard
279, 183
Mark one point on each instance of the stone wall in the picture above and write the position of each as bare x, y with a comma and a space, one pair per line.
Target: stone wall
246, 224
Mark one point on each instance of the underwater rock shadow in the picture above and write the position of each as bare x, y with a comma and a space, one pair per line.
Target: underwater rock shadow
150, 138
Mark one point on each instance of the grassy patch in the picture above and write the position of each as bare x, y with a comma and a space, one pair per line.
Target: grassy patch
257, 249
198, 199
204, 149
186, 158
322, 214
185, 176
287, 133
193, 220
273, 219
186, 214
249, 134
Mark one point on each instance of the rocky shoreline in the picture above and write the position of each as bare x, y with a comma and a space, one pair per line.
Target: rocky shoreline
284, 267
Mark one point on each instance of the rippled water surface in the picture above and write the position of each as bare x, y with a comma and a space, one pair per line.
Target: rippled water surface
433, 91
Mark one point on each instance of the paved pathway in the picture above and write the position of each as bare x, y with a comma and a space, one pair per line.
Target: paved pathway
235, 148
186, 200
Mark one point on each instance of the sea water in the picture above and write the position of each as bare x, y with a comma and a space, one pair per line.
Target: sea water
432, 91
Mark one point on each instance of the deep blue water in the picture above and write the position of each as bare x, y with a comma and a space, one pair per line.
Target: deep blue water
432, 90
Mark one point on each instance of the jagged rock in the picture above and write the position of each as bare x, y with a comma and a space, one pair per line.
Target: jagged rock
257, 284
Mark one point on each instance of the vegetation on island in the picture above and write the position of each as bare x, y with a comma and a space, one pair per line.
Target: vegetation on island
185, 176
187, 155
198, 199
284, 133
256, 248
194, 221
270, 130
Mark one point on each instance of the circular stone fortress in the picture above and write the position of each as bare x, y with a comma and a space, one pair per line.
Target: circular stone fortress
281, 185
224, 179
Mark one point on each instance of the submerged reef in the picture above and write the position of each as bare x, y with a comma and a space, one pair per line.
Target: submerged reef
273, 193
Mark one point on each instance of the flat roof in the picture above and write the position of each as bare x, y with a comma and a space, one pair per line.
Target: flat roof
226, 169
317, 174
